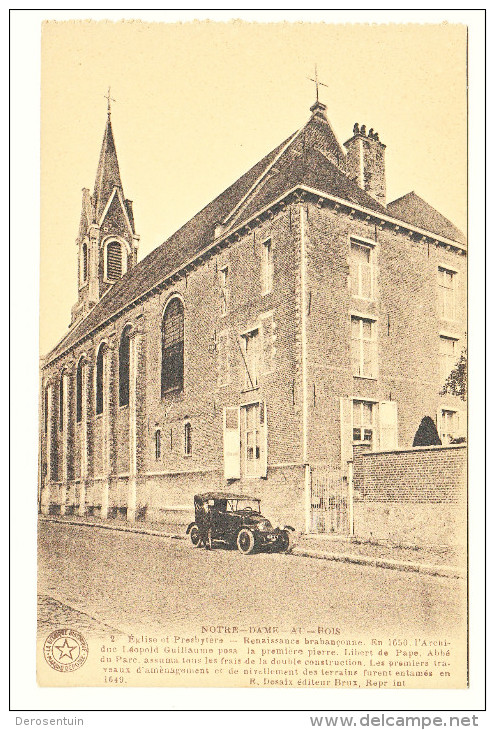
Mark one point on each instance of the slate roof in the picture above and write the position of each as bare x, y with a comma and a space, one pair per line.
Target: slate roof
311, 157
412, 209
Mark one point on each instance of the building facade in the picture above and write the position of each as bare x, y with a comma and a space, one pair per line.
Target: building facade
295, 321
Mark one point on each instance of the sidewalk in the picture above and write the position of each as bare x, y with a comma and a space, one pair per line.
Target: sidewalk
431, 561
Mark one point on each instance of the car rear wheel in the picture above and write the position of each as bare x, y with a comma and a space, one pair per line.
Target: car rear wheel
246, 542
195, 535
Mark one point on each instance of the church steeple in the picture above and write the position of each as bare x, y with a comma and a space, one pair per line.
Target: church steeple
108, 172
107, 241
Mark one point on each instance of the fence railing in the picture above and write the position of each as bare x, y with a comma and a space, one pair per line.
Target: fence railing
329, 501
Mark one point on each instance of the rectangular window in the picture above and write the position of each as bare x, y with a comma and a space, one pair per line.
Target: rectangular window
447, 356
446, 293
361, 270
252, 358
158, 445
449, 425
224, 290
362, 421
363, 347
267, 268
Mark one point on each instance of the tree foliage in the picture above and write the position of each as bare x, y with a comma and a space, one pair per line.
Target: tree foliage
456, 383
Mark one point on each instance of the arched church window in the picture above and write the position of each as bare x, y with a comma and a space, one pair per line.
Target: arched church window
79, 390
124, 351
158, 444
173, 347
114, 261
100, 376
85, 262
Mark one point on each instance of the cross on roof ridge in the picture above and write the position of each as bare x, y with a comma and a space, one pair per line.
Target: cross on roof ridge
317, 83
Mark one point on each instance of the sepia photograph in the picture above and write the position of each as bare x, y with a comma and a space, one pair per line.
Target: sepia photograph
253, 328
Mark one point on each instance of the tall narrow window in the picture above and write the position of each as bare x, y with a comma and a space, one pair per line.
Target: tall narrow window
47, 391
252, 440
124, 351
85, 262
252, 357
187, 439
114, 261
267, 268
361, 270
224, 290
61, 403
158, 444
449, 425
79, 390
448, 355
446, 292
173, 347
363, 347
100, 376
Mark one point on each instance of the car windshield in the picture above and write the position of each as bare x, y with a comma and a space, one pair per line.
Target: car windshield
238, 505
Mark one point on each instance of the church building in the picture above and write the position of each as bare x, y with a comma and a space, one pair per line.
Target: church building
298, 319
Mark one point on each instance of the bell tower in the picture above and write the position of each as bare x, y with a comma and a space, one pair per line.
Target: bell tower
107, 242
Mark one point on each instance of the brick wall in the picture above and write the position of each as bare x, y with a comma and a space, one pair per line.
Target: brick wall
414, 497
434, 474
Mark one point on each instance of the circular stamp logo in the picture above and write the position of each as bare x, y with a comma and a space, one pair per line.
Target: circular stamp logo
65, 650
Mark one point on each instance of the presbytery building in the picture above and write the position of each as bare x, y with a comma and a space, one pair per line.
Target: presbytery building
296, 320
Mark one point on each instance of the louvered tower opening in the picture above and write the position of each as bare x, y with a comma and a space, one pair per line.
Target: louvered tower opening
114, 261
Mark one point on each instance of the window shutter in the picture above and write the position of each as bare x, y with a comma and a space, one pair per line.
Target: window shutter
345, 433
267, 341
263, 441
388, 425
231, 443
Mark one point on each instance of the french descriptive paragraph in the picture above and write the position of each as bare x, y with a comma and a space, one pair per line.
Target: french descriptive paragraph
265, 657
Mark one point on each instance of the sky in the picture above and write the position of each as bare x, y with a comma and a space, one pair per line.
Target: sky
197, 104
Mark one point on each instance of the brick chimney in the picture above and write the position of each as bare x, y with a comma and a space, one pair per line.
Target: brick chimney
365, 161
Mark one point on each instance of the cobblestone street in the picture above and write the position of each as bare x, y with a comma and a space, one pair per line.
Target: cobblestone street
97, 580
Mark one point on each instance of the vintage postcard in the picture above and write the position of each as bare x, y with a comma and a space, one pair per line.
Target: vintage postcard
253, 390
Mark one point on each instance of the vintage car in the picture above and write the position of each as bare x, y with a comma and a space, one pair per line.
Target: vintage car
235, 520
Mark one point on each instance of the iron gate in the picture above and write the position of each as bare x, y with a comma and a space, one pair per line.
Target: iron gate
329, 501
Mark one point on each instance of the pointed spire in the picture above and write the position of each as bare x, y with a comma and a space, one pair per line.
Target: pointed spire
108, 173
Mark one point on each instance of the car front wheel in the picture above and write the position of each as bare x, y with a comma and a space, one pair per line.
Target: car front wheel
283, 541
195, 535
246, 542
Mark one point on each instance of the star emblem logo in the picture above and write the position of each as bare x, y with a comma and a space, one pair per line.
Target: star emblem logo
65, 650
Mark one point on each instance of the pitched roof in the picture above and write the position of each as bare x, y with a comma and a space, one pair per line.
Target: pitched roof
410, 208
311, 157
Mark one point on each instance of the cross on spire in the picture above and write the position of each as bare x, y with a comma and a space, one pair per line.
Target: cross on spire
317, 83
109, 99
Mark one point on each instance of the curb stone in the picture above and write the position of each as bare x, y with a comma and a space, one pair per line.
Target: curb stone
402, 565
